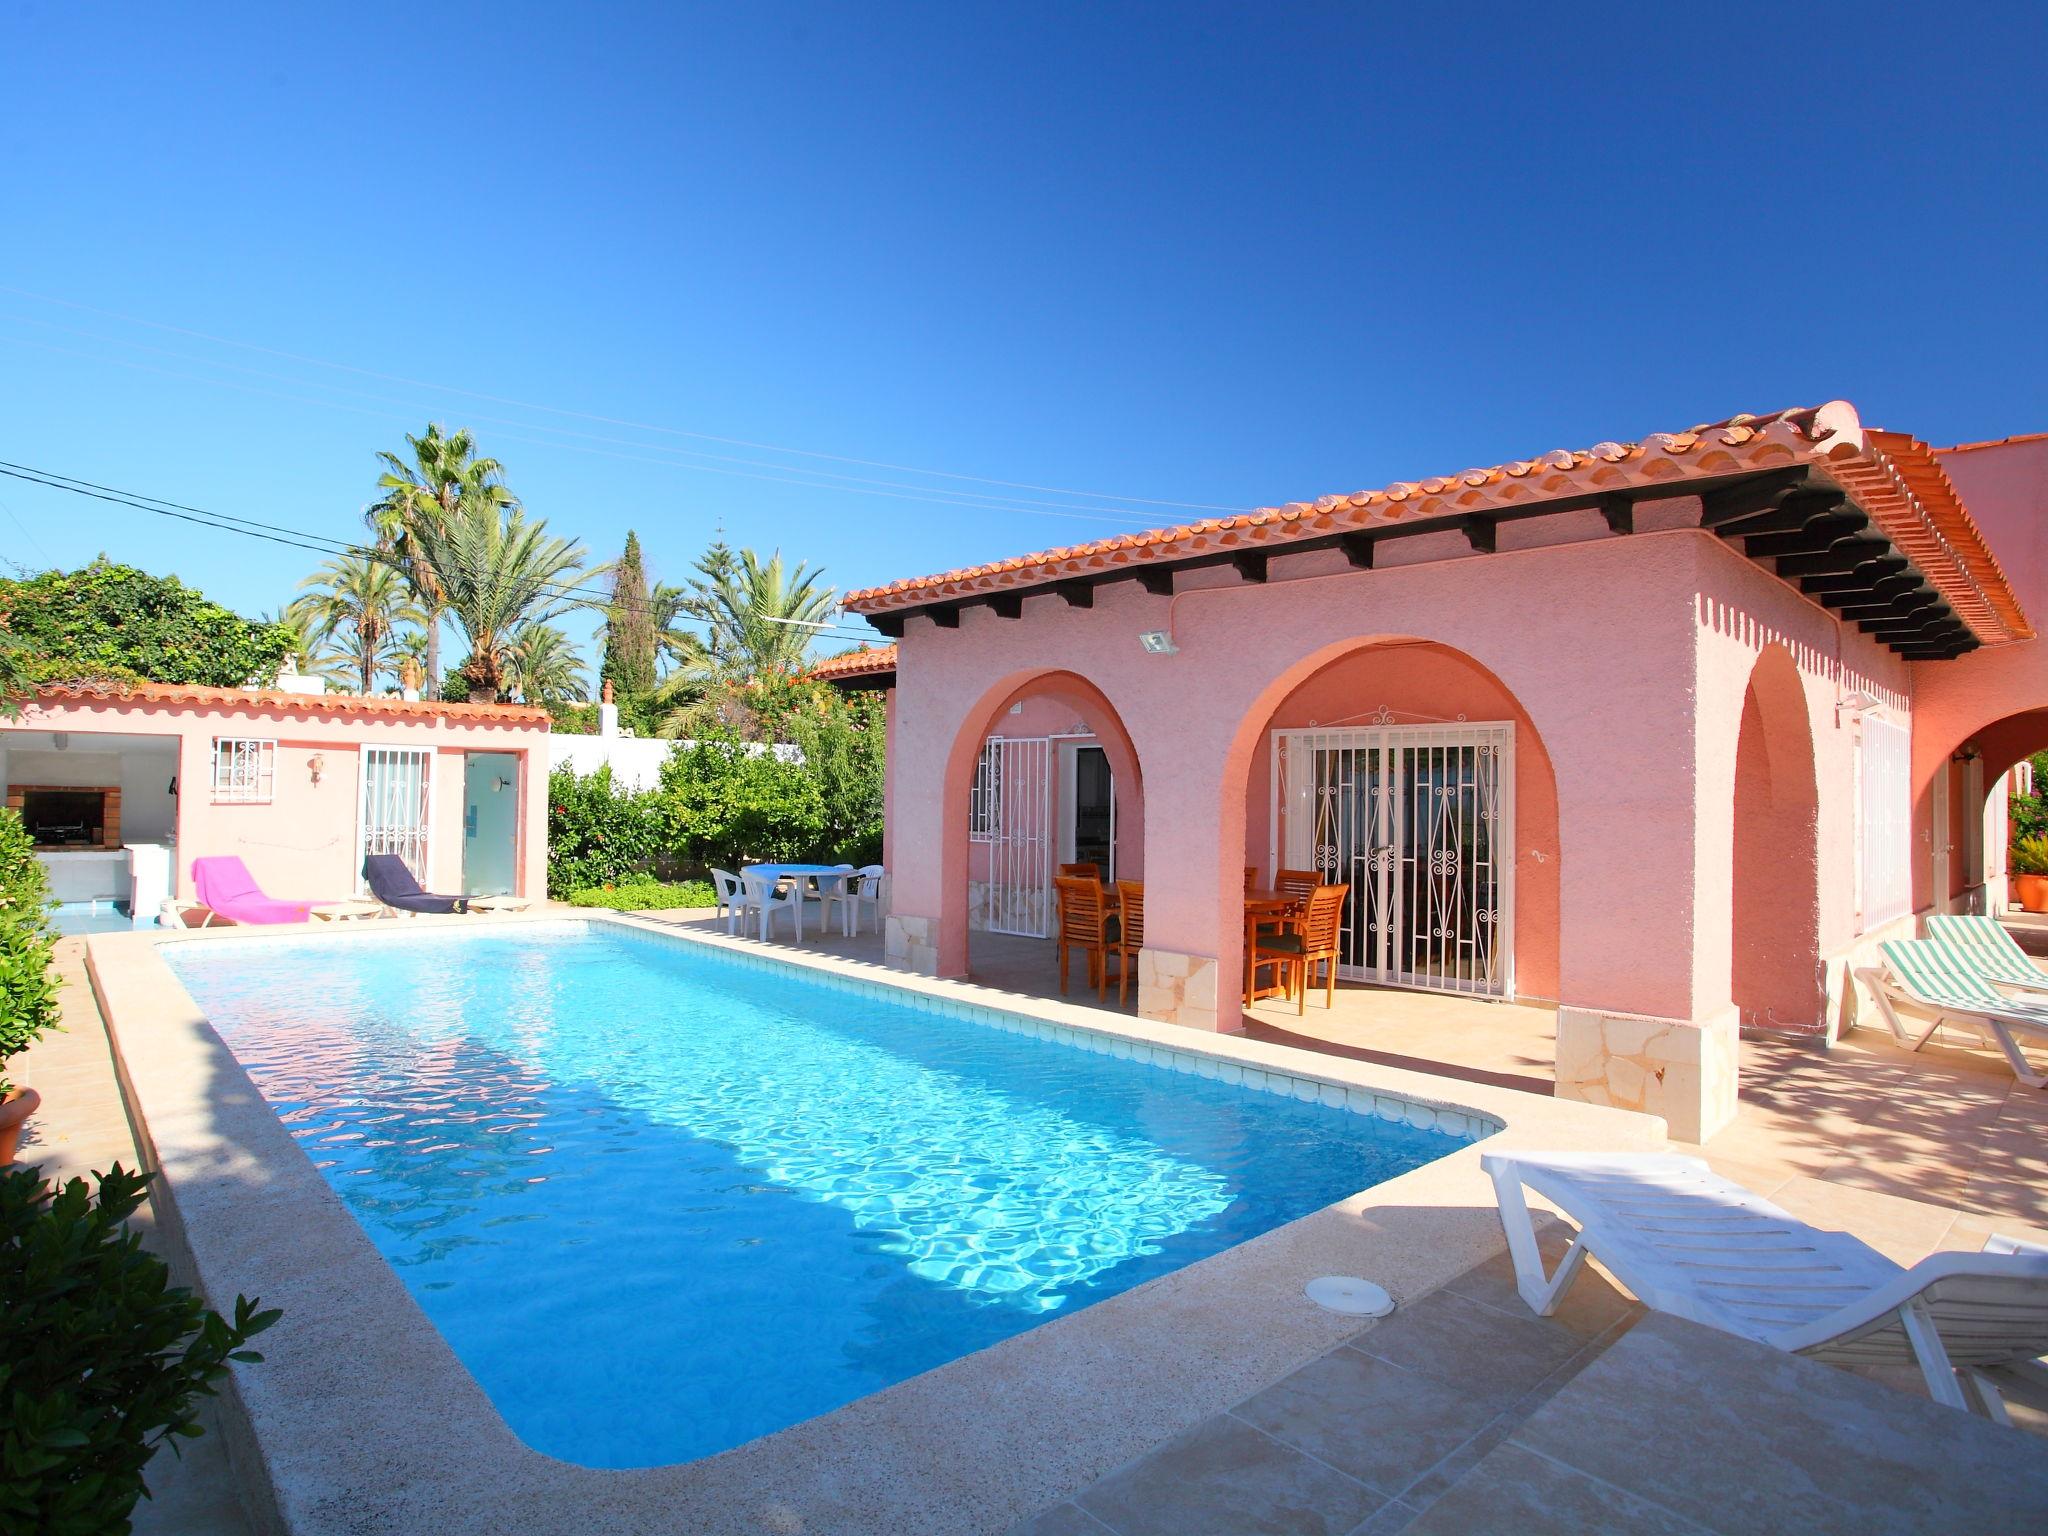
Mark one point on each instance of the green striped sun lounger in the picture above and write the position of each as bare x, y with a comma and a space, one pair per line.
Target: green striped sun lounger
1935, 979
1995, 953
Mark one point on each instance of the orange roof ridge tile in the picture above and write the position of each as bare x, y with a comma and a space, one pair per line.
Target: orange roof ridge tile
858, 663
276, 698
1893, 478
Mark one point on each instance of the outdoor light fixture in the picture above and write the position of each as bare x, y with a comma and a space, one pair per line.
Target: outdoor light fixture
500, 785
1159, 642
61, 740
316, 764
1857, 703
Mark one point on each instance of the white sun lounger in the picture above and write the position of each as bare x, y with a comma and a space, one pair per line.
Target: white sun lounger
1933, 977
1985, 945
1689, 1242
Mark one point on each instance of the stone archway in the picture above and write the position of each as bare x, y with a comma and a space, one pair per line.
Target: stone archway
1775, 976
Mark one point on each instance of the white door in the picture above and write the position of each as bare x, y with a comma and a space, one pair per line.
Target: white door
1419, 822
1013, 816
392, 808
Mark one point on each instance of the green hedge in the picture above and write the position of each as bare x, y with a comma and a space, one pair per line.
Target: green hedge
723, 803
646, 894
28, 990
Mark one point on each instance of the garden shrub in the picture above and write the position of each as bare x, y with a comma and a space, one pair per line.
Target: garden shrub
598, 833
647, 894
102, 1359
726, 802
28, 990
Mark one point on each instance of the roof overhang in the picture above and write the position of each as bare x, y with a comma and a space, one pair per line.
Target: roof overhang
1862, 521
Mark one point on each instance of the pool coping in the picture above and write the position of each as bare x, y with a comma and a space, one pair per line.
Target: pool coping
362, 1418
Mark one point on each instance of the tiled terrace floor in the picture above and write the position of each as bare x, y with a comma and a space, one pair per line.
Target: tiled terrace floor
1465, 1413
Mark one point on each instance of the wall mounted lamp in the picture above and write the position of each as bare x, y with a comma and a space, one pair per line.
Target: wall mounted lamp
1158, 642
316, 765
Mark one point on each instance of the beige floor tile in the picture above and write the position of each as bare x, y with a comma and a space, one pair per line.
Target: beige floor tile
1515, 1492
1225, 1478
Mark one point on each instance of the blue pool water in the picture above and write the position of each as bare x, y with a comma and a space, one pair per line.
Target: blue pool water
660, 1202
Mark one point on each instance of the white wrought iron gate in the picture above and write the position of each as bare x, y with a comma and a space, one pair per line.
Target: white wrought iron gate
1419, 821
1013, 816
392, 814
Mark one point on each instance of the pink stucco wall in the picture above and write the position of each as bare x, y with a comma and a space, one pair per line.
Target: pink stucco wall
302, 843
1992, 700
1608, 648
1699, 762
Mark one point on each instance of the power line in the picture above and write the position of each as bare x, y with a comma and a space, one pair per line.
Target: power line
932, 495
294, 538
615, 421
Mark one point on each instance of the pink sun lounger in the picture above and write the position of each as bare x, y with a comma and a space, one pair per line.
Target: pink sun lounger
228, 889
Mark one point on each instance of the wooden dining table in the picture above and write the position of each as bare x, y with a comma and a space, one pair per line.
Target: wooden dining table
1263, 906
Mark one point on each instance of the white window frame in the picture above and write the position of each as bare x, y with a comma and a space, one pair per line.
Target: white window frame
1884, 823
985, 798
250, 764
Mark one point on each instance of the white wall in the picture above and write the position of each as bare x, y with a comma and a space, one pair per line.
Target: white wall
636, 760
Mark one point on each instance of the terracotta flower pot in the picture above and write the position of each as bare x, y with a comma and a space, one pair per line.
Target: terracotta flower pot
15, 1109
2032, 891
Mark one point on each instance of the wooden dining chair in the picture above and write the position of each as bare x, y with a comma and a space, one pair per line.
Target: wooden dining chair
1130, 931
1083, 872
1296, 882
1251, 877
1316, 935
1083, 925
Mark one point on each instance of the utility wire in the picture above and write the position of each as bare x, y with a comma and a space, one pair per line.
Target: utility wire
937, 496
276, 533
616, 421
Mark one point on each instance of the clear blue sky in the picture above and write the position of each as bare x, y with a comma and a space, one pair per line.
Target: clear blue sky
1212, 255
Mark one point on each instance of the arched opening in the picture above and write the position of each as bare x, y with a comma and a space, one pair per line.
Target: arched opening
1988, 773
1775, 972
1407, 770
1042, 774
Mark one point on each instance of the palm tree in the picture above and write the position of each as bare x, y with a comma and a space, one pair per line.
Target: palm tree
757, 616
444, 476
353, 606
545, 667
496, 571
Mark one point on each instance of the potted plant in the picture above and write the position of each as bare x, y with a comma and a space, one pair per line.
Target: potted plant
28, 992
2028, 861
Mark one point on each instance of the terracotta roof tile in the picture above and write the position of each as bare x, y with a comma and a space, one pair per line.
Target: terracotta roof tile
869, 659
303, 703
1917, 509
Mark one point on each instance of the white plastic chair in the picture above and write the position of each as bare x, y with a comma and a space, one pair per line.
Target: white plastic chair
861, 886
1691, 1243
731, 899
766, 896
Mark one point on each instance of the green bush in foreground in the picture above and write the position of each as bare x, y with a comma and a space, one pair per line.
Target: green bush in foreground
102, 1359
647, 896
28, 988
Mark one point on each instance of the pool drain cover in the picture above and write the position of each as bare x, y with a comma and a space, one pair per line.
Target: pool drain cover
1349, 1295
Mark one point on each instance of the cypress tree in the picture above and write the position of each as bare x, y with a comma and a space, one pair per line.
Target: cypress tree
629, 627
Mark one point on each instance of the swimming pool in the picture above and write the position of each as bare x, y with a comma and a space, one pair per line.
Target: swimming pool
661, 1201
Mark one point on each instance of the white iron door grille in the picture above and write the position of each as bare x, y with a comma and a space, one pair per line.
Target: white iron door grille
1419, 821
1021, 837
393, 807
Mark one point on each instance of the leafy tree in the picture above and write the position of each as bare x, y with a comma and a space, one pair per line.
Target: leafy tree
725, 800
759, 616
356, 604
444, 478
495, 571
107, 620
629, 637
598, 833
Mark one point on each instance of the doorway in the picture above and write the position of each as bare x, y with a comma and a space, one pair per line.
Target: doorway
1419, 822
490, 823
1088, 796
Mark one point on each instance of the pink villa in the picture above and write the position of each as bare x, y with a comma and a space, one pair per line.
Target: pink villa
1666, 733
122, 790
